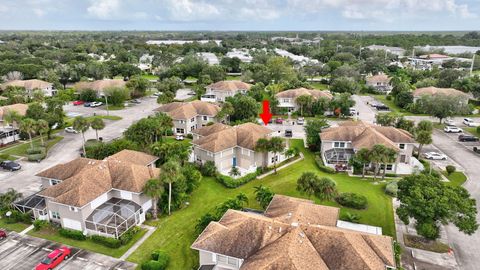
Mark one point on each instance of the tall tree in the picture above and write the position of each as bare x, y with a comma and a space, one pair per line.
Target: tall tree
377, 157
97, 124
313, 128
154, 189
12, 117
276, 146
81, 124
42, 128
363, 156
326, 189
389, 157
28, 126
226, 111
263, 195
307, 183
170, 174
304, 102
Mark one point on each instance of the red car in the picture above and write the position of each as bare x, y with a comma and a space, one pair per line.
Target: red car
54, 259
78, 102
279, 121
3, 234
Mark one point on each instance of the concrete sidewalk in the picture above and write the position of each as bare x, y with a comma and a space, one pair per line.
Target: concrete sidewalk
150, 231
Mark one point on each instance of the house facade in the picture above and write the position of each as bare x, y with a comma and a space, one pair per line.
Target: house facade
288, 99
32, 85
219, 91
189, 116
292, 234
433, 91
102, 197
340, 143
381, 83
230, 147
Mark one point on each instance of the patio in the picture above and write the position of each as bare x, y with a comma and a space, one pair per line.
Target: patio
33, 204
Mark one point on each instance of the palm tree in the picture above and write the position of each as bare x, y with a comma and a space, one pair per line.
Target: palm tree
303, 101
42, 128
165, 123
363, 155
81, 124
226, 111
234, 172
171, 173
154, 189
263, 146
8, 198
326, 189
12, 117
377, 156
263, 195
28, 125
97, 124
307, 183
423, 137
276, 145
389, 157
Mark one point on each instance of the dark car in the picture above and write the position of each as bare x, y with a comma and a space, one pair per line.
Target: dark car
135, 101
288, 133
10, 165
467, 138
3, 234
382, 107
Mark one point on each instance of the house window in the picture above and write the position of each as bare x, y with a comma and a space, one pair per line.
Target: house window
274, 159
181, 121
339, 144
401, 146
55, 215
53, 182
286, 100
180, 130
389, 167
192, 120
205, 118
73, 209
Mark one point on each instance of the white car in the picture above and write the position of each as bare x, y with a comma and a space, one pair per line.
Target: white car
353, 111
469, 122
96, 104
435, 156
179, 138
452, 129
70, 130
449, 122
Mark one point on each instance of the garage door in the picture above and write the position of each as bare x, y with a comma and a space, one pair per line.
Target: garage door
72, 224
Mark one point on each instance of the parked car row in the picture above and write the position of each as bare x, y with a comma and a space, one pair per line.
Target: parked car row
380, 106
87, 104
467, 138
470, 123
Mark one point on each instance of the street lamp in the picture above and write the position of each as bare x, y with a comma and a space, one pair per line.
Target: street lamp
106, 103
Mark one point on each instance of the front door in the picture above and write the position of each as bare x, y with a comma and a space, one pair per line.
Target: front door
234, 162
403, 158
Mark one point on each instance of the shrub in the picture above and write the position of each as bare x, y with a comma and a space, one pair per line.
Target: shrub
128, 235
208, 169
478, 129
450, 169
72, 234
152, 265
18, 216
388, 97
392, 188
350, 217
230, 182
106, 241
189, 136
428, 230
322, 167
161, 257
38, 150
39, 224
352, 200
4, 157
36, 157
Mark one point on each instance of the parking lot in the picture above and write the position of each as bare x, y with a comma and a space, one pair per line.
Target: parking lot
25, 252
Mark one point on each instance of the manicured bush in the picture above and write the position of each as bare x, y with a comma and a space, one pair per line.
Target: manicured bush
36, 157
18, 216
189, 136
72, 234
478, 129
208, 169
230, 182
39, 224
153, 265
106, 241
450, 169
428, 230
162, 257
352, 200
390, 175
392, 188
350, 217
322, 167
128, 235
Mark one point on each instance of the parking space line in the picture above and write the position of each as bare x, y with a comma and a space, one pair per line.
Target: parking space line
47, 249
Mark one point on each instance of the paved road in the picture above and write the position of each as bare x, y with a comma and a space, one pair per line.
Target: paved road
67, 149
366, 112
25, 252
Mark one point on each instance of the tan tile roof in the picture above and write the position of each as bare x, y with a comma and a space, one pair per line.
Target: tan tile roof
293, 210
378, 78
365, 135
19, 108
84, 180
100, 85
28, 84
233, 86
294, 93
267, 243
428, 91
187, 110
244, 135
135, 157
433, 56
207, 130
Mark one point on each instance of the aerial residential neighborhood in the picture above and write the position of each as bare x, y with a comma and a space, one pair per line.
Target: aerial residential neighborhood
239, 135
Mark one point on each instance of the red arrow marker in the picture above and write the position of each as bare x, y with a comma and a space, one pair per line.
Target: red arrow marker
266, 115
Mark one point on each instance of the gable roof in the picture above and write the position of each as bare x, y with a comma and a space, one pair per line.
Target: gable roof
232, 86
378, 78
135, 157
223, 137
187, 110
266, 243
207, 130
84, 180
28, 84
100, 85
20, 108
365, 135
428, 91
294, 93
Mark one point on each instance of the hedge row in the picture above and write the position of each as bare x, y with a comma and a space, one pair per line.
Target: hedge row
102, 240
106, 241
72, 234
230, 182
322, 167
352, 200
159, 261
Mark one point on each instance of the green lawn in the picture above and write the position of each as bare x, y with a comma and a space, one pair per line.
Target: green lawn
150, 77
106, 117
393, 107
472, 130
16, 227
176, 233
52, 235
233, 78
319, 86
456, 178
21, 149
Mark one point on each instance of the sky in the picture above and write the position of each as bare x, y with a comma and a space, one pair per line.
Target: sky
244, 15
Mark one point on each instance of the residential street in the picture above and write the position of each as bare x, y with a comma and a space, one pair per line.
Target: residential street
67, 149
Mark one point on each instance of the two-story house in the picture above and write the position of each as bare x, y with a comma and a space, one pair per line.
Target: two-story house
229, 147
188, 116
292, 234
340, 143
103, 197
32, 85
219, 91
288, 98
380, 82
433, 91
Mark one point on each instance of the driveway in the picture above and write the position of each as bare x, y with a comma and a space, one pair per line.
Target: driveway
67, 149
365, 111
25, 252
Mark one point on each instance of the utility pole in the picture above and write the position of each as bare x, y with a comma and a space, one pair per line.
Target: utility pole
106, 103
471, 67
